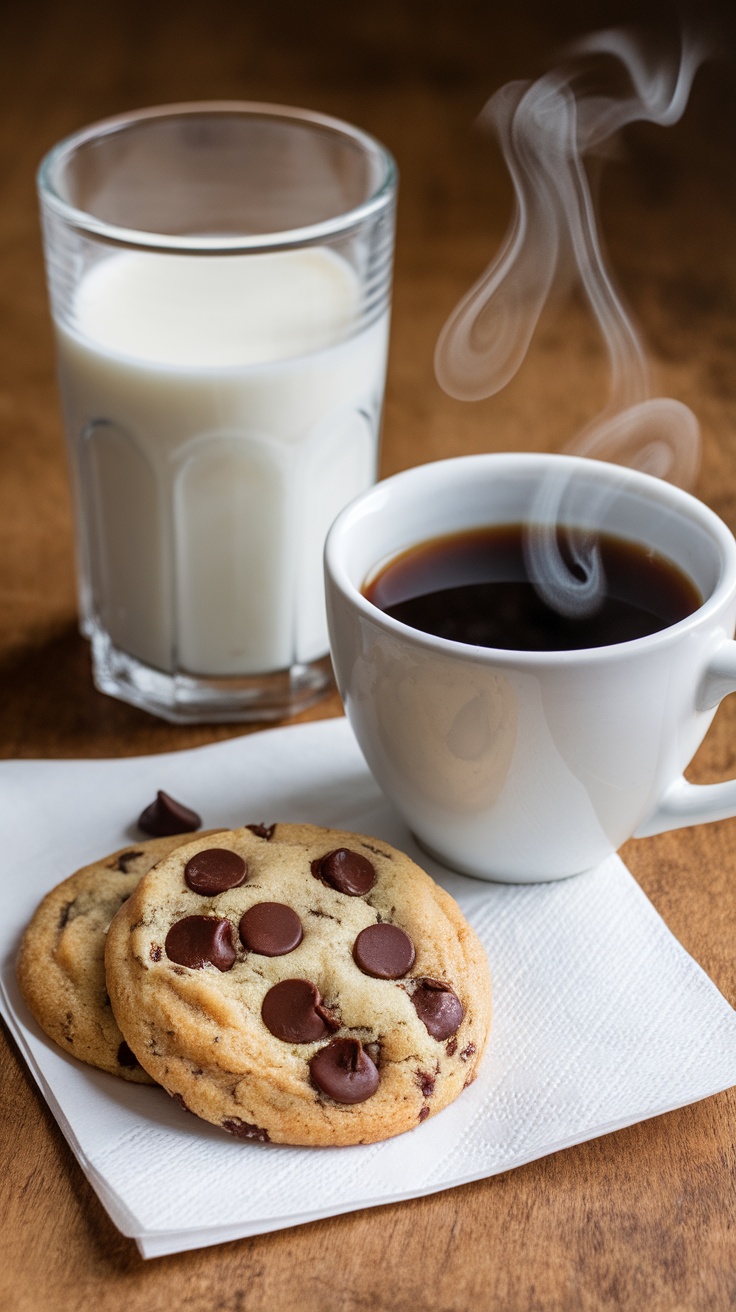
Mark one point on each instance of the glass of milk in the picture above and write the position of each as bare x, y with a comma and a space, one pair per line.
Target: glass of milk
220, 279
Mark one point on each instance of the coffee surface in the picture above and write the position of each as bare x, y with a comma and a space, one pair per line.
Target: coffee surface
474, 587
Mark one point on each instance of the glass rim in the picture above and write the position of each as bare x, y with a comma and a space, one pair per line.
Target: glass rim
213, 244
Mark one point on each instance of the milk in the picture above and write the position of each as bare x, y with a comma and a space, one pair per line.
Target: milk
221, 411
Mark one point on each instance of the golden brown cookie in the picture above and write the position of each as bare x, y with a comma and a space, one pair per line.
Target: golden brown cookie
61, 966
300, 985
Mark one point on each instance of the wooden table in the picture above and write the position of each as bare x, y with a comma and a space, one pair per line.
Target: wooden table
642, 1219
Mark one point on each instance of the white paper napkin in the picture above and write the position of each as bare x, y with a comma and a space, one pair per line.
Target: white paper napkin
601, 1018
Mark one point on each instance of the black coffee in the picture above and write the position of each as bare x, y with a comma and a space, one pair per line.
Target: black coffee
474, 587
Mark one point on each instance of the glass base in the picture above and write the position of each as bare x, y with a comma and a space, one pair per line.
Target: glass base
193, 699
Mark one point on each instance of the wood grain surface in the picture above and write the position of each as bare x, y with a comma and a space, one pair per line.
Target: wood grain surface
642, 1219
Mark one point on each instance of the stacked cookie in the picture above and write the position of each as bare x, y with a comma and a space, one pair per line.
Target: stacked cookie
61, 964
288, 983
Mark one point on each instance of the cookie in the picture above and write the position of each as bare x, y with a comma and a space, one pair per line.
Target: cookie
299, 985
61, 968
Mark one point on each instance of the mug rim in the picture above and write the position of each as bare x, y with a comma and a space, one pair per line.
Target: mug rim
689, 506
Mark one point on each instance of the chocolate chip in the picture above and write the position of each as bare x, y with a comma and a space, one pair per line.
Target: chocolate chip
262, 831
166, 816
423, 1113
384, 951
438, 1008
346, 871
344, 1071
198, 941
215, 871
451, 1047
156, 952
178, 1098
426, 1083
468, 1052
293, 1011
126, 859
244, 1130
126, 1058
271, 929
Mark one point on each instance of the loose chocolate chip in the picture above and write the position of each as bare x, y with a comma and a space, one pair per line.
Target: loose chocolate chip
262, 831
438, 1008
423, 1113
126, 1057
293, 1011
125, 860
384, 951
426, 1083
346, 871
344, 1071
467, 1053
271, 929
198, 941
156, 952
166, 816
244, 1130
215, 871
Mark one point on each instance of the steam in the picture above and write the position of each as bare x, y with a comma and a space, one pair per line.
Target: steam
546, 129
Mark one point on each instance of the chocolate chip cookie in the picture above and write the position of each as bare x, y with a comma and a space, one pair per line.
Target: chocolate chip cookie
299, 985
61, 965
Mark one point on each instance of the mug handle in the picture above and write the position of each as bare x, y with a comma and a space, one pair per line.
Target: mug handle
693, 804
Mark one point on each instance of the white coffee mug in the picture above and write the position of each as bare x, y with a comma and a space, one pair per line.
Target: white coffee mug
526, 766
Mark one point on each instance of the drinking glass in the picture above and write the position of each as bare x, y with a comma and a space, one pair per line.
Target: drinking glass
219, 277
